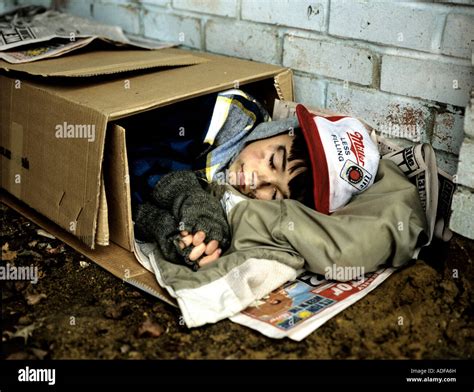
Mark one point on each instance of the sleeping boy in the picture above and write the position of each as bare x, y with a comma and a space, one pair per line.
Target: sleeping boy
318, 161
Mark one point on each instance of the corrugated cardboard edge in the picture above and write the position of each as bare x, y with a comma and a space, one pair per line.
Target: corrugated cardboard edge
104, 63
113, 258
102, 235
284, 85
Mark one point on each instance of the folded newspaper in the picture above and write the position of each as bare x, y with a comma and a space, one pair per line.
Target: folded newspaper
33, 33
299, 307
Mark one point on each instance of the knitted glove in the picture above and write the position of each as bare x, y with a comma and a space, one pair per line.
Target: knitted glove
153, 223
193, 208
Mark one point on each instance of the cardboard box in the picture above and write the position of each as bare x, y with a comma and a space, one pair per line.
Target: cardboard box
64, 158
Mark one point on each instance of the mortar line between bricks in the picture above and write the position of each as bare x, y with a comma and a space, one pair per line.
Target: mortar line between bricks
328, 14
238, 12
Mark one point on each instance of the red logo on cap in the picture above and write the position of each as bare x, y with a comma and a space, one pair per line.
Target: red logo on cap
357, 146
354, 174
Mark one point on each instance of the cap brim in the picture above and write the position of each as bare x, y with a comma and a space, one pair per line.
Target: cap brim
319, 167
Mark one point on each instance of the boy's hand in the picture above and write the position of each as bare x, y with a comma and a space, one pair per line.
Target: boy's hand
210, 250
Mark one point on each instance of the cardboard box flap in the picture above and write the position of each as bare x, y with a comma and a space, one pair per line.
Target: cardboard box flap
104, 62
117, 184
102, 235
151, 90
113, 258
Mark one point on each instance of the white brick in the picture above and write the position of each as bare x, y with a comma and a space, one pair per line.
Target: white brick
427, 79
390, 23
127, 17
310, 91
392, 116
458, 37
466, 164
172, 28
463, 211
243, 40
448, 132
328, 59
215, 7
302, 14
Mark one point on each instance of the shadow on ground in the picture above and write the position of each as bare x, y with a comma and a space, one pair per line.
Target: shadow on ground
77, 310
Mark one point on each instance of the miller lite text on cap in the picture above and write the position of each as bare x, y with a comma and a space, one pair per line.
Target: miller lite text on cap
344, 158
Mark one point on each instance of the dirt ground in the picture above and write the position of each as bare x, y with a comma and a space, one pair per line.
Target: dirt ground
77, 310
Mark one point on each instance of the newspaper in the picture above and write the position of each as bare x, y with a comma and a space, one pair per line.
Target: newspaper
53, 48
54, 33
297, 308
435, 187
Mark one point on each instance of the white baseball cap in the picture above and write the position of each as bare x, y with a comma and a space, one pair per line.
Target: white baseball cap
344, 158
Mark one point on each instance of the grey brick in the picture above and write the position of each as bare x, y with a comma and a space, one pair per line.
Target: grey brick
463, 211
469, 122
44, 3
125, 16
465, 174
310, 91
79, 8
393, 116
215, 7
244, 40
168, 27
448, 132
427, 79
391, 23
161, 3
447, 162
6, 5
329, 59
458, 37
302, 14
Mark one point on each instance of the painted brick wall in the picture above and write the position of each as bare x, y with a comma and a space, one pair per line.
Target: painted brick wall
400, 65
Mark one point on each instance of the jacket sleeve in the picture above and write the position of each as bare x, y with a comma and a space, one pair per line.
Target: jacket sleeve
193, 208
382, 225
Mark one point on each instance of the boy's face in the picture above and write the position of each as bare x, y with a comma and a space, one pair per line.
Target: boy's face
262, 170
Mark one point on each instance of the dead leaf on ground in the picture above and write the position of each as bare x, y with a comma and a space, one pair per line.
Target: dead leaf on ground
44, 233
38, 353
22, 332
54, 251
7, 254
149, 329
33, 299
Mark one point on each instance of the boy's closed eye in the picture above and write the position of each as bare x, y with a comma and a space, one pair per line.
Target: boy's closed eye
274, 168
